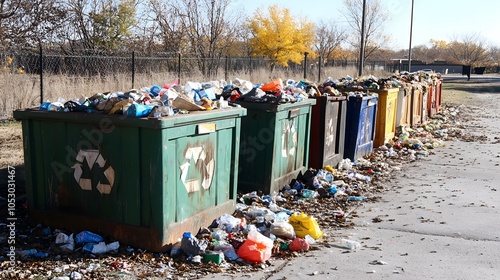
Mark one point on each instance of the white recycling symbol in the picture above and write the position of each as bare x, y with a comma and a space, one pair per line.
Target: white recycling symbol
206, 168
93, 157
329, 133
288, 139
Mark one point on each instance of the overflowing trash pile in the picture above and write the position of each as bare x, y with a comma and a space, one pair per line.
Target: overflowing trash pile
303, 216
172, 99
370, 82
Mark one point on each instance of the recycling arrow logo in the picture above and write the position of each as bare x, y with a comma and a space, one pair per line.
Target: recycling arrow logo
288, 139
203, 161
95, 164
330, 134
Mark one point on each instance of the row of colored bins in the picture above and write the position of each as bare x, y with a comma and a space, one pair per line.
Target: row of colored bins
174, 174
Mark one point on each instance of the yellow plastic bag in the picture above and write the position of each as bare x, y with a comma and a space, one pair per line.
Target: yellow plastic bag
304, 225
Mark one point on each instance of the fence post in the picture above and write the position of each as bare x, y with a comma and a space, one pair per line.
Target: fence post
179, 57
305, 65
133, 69
226, 68
250, 68
41, 72
319, 68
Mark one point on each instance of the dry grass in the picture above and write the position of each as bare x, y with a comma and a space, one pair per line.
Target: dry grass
11, 144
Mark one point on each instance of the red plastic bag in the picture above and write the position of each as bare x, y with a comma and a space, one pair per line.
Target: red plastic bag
299, 244
275, 85
234, 95
256, 249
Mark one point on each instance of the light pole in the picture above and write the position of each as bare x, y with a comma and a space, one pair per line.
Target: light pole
411, 33
362, 48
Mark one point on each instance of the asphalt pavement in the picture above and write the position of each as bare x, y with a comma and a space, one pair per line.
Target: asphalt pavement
439, 218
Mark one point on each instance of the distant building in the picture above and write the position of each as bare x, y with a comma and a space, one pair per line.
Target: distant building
441, 66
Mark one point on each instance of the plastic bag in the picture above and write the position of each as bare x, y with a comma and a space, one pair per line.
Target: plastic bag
299, 244
66, 243
304, 225
87, 236
227, 249
228, 222
283, 229
138, 110
256, 249
275, 85
101, 247
191, 245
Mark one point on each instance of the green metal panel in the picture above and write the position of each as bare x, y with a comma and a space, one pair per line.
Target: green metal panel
130, 177
274, 146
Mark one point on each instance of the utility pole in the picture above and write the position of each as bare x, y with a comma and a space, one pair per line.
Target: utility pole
411, 33
362, 48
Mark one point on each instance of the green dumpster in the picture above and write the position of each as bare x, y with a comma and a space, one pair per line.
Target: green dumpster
140, 181
274, 144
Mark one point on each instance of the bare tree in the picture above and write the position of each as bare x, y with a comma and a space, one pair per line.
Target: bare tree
203, 28
102, 25
166, 23
374, 20
209, 30
329, 36
470, 49
494, 56
26, 23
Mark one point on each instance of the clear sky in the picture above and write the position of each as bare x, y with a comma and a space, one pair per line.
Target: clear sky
432, 19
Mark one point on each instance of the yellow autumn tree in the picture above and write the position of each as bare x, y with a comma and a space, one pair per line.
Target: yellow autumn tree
278, 36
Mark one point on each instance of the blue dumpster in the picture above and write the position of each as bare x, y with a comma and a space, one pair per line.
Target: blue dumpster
360, 126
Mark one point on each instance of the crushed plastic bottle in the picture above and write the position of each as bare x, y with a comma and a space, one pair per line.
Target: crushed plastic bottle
309, 193
356, 198
101, 247
176, 250
350, 244
28, 252
87, 236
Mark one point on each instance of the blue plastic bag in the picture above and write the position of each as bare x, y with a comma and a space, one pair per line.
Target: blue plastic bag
138, 110
87, 236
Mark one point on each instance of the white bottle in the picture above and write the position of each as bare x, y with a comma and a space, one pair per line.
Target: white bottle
350, 244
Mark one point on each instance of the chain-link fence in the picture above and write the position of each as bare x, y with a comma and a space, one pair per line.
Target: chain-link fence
30, 76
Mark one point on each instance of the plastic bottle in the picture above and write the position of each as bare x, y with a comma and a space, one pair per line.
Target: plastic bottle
176, 250
28, 252
350, 244
356, 198
309, 193
282, 216
309, 239
227, 249
40, 255
87, 236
